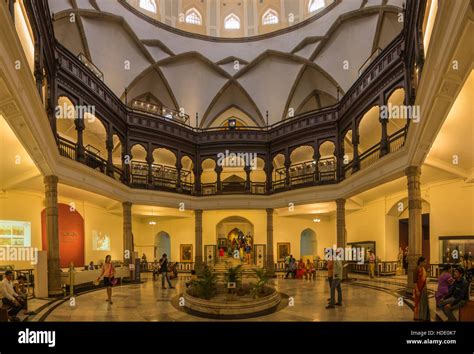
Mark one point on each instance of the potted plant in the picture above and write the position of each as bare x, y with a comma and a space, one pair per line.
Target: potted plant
262, 281
206, 285
233, 277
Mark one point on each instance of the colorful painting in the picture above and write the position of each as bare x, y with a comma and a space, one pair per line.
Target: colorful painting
186, 253
283, 250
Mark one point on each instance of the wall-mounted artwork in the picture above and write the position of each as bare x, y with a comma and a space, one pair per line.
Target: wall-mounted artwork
100, 241
283, 250
186, 253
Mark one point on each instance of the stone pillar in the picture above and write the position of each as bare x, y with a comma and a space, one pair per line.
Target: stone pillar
197, 175
52, 235
198, 261
384, 142
109, 144
179, 167
270, 266
414, 223
127, 233
316, 157
79, 123
126, 164
218, 170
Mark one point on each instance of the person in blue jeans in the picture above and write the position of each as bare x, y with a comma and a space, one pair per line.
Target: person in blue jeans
336, 284
458, 295
164, 271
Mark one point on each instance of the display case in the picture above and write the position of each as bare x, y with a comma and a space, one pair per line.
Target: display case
454, 248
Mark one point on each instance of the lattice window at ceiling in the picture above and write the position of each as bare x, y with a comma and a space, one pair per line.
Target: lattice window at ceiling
149, 5
270, 17
193, 17
315, 5
232, 22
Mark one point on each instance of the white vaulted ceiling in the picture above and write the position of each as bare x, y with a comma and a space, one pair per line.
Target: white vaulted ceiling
300, 69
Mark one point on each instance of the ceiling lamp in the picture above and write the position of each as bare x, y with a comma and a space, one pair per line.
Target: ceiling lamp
317, 220
152, 223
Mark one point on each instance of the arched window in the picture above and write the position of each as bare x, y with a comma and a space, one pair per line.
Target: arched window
232, 22
148, 5
315, 5
193, 17
270, 17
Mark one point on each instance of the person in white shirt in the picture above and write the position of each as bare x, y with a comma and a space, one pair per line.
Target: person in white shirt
9, 297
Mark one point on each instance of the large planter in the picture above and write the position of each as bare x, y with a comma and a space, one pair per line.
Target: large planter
220, 307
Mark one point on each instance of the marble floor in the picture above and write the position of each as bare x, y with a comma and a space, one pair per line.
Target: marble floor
364, 299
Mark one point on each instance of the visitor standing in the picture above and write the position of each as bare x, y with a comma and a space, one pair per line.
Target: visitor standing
405, 260
221, 254
336, 285
164, 271
248, 251
422, 310
9, 297
108, 272
372, 264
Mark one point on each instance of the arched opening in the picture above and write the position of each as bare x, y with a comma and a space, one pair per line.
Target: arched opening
187, 174
279, 172
234, 233
95, 136
395, 103
233, 176
315, 5
164, 169
208, 177
327, 161
232, 22
139, 166
258, 177
370, 131
308, 244
148, 5
302, 165
66, 128
162, 244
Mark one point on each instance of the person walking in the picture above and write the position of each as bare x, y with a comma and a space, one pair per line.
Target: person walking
108, 272
372, 259
164, 271
336, 285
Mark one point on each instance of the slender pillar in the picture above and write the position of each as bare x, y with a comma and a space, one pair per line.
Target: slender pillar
127, 233
287, 171
149, 161
355, 144
384, 142
52, 234
109, 144
268, 173
270, 266
179, 167
39, 68
316, 157
414, 222
197, 175
198, 239
126, 164
218, 170
341, 161
247, 179
79, 123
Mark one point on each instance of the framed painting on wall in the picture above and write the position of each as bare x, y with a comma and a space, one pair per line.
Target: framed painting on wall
283, 250
186, 253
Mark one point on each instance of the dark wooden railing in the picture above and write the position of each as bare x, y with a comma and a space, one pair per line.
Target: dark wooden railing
67, 148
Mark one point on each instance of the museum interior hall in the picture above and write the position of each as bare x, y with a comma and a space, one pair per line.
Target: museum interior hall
230, 160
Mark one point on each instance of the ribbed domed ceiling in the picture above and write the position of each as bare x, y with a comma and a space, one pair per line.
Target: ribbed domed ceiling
289, 71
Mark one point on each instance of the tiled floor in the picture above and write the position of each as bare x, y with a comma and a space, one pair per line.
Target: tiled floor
363, 300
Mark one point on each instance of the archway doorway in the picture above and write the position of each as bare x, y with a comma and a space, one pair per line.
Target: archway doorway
162, 244
234, 232
308, 244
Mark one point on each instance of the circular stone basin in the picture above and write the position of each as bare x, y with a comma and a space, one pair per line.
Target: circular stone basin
224, 307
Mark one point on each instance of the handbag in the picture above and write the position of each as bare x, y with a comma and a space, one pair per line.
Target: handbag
113, 281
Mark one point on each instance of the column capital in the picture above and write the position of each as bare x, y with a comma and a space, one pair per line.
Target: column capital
51, 179
198, 212
269, 211
340, 203
127, 205
412, 171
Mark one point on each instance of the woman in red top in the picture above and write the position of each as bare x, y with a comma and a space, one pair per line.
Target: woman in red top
108, 272
300, 273
221, 254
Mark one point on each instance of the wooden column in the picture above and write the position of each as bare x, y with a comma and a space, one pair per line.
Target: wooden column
198, 239
414, 223
355, 144
270, 266
247, 179
52, 235
80, 126
384, 142
127, 233
109, 144
218, 170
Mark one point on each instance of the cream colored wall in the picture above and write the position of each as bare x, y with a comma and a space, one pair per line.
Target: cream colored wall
289, 229
181, 231
12, 207
451, 212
